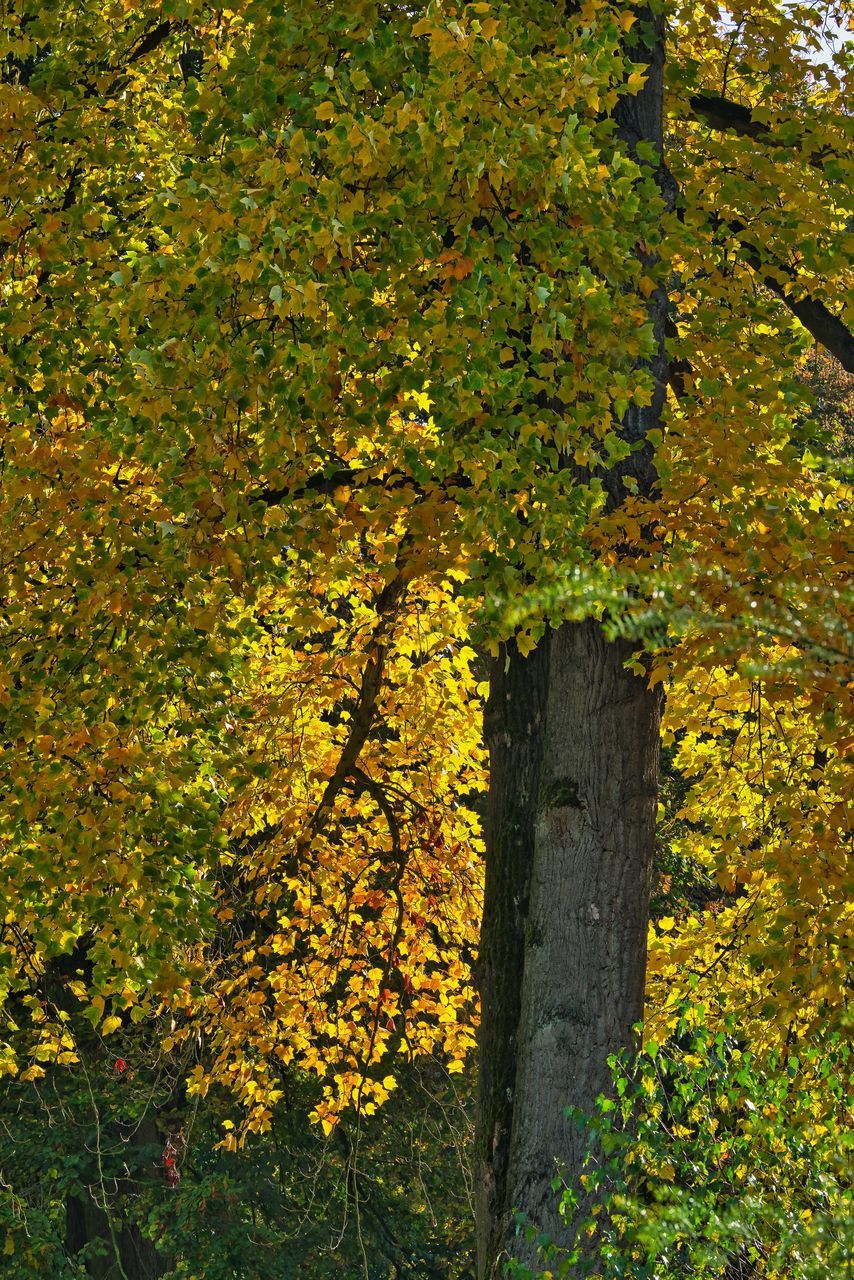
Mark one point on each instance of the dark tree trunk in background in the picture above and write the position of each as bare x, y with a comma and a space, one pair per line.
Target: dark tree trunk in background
129, 1257
574, 744
116, 1249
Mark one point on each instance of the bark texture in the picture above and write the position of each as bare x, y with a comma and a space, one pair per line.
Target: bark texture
514, 726
574, 744
585, 935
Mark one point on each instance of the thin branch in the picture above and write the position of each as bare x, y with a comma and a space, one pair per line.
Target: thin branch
366, 707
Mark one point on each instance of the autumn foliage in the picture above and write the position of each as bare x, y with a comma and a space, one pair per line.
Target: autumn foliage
316, 322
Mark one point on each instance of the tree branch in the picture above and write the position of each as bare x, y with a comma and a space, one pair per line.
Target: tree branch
732, 117
678, 370
364, 714
727, 116
828, 330
344, 477
150, 41
321, 482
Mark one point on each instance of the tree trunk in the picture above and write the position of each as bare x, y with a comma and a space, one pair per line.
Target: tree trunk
125, 1256
514, 725
574, 745
116, 1249
565, 918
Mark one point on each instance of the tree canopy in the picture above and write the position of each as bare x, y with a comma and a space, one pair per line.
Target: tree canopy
326, 331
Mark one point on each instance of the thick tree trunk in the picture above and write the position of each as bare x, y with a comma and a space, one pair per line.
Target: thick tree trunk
574, 745
570, 832
514, 725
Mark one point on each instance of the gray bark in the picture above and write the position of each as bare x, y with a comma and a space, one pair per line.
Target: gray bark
585, 934
574, 744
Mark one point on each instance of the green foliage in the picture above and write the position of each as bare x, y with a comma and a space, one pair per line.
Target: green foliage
712, 1160
382, 1198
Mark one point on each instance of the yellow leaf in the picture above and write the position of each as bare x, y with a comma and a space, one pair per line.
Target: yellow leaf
111, 1024
325, 111
35, 1072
